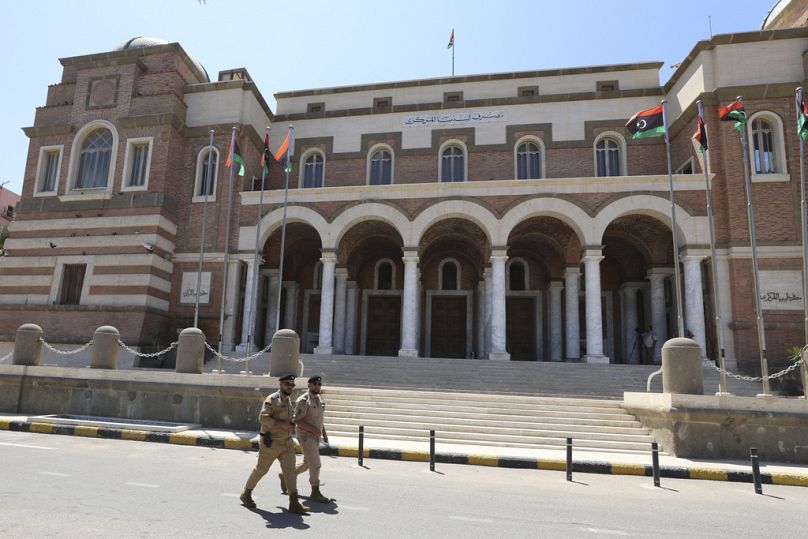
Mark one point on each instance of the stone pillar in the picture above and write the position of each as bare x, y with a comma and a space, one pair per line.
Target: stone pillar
290, 309
272, 305
659, 321
694, 306
350, 318
106, 349
409, 306
488, 296
572, 278
325, 345
27, 346
632, 350
341, 275
284, 358
249, 304
555, 320
229, 339
481, 320
419, 304
498, 328
190, 351
594, 316
726, 286
681, 367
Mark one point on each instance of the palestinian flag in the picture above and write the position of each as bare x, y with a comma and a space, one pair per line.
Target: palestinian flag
734, 112
700, 136
284, 153
451, 40
802, 120
235, 155
265, 155
647, 123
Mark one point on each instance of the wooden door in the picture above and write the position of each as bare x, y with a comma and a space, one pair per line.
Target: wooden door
384, 326
448, 326
520, 327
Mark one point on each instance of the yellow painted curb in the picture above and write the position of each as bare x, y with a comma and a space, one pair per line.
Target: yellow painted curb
483, 460
5, 424
707, 473
792, 479
83, 430
628, 469
181, 438
559, 465
418, 456
137, 435
237, 443
352, 452
43, 428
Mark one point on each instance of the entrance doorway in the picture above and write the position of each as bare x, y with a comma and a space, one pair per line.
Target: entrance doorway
448, 335
520, 328
384, 325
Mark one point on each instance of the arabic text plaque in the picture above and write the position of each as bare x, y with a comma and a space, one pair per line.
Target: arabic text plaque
188, 290
781, 290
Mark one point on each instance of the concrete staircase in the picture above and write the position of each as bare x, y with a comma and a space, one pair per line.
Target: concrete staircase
482, 419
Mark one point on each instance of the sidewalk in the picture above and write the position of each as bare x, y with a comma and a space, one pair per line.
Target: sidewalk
503, 457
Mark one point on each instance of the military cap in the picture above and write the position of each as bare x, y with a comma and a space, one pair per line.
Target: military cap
314, 379
287, 378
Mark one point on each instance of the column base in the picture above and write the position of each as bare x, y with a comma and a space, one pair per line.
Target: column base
324, 350
408, 352
499, 356
601, 360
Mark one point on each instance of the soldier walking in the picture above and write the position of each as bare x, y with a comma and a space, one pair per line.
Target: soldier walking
276, 420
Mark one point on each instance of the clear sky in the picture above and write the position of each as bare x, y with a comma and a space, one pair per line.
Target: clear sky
299, 44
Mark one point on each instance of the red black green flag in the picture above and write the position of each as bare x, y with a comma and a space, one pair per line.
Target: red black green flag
284, 153
802, 121
700, 135
265, 155
734, 112
235, 155
647, 123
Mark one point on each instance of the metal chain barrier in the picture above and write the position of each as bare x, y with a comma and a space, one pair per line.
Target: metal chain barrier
65, 352
755, 378
238, 359
140, 354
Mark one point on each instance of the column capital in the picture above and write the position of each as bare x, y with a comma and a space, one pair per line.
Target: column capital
329, 258
499, 251
693, 257
592, 258
570, 271
556, 284
351, 284
410, 252
498, 258
341, 273
659, 273
633, 285
409, 259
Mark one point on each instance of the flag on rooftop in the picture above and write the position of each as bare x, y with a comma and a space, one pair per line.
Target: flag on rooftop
734, 112
451, 40
235, 155
647, 123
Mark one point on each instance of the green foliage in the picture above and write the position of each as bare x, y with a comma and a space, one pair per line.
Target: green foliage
795, 353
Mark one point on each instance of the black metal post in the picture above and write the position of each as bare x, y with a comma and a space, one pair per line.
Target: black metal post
431, 450
361, 443
569, 459
655, 462
753, 455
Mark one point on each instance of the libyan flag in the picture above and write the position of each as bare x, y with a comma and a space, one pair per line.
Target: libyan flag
802, 121
700, 136
235, 155
734, 112
647, 123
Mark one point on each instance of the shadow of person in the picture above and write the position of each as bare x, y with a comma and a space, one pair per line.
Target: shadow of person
328, 508
281, 519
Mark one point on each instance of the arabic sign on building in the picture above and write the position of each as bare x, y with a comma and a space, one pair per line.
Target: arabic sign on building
188, 290
453, 118
781, 291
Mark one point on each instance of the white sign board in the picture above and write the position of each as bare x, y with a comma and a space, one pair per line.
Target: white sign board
188, 291
453, 118
781, 290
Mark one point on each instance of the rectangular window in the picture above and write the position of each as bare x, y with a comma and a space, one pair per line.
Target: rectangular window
50, 160
137, 167
72, 283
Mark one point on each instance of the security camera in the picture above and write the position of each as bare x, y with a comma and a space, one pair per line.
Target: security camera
149, 247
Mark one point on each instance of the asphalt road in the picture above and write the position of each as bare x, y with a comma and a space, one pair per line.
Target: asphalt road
66, 486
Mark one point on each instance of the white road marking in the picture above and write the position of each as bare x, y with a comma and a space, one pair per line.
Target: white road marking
56, 474
353, 507
144, 485
471, 519
230, 495
606, 532
25, 446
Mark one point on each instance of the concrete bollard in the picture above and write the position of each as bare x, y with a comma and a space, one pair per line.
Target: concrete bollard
682, 372
106, 349
285, 354
191, 351
27, 346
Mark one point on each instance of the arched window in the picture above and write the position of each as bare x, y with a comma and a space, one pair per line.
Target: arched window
516, 276
453, 165
607, 157
449, 276
204, 182
381, 168
94, 159
384, 275
763, 147
313, 170
528, 161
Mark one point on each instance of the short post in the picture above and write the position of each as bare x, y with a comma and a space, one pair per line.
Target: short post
284, 358
682, 372
569, 459
27, 345
655, 462
190, 351
106, 349
361, 444
753, 455
431, 450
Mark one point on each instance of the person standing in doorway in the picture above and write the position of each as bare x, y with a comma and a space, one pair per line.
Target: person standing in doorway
308, 419
649, 340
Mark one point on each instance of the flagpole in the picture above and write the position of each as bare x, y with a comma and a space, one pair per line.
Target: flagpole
678, 288
226, 251
764, 368
206, 186
722, 380
804, 212
453, 54
289, 153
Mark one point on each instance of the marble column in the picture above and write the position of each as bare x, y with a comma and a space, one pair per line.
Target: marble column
272, 305
556, 347
419, 308
632, 350
341, 276
350, 318
249, 306
694, 306
594, 316
290, 308
481, 320
659, 321
233, 276
487, 299
572, 279
325, 345
409, 306
498, 328
727, 286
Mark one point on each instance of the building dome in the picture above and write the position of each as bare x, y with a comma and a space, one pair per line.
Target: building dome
140, 42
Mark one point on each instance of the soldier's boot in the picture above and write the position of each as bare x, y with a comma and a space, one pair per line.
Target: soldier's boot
246, 498
283, 483
317, 496
295, 506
